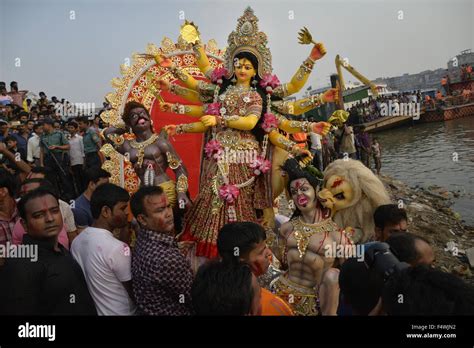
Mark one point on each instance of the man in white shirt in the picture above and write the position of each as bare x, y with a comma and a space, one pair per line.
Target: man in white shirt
76, 156
106, 261
33, 147
316, 150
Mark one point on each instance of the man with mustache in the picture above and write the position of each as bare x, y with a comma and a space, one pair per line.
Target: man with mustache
151, 154
161, 274
53, 283
305, 247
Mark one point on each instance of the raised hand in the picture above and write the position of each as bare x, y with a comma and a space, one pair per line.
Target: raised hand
298, 151
318, 51
162, 85
163, 61
331, 95
170, 129
321, 128
165, 107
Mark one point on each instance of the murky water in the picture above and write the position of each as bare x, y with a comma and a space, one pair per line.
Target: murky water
439, 153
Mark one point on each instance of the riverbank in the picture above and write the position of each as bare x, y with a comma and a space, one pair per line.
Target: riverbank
431, 216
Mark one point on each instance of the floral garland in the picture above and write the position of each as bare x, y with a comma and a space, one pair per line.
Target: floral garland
218, 74
270, 122
214, 149
269, 82
214, 109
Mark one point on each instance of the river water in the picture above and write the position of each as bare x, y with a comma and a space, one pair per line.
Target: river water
438, 153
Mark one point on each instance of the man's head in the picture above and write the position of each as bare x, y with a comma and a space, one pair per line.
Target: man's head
136, 116
388, 219
14, 86
30, 124
4, 126
83, 123
40, 214
152, 210
24, 116
11, 142
7, 185
244, 241
96, 120
48, 125
42, 95
72, 127
220, 289
57, 125
411, 248
38, 128
427, 291
95, 177
109, 204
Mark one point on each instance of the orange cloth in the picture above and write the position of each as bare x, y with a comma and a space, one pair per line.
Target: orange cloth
272, 305
300, 139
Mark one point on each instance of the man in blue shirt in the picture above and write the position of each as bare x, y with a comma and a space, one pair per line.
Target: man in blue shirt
94, 177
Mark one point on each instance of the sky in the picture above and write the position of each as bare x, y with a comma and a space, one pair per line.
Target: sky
74, 55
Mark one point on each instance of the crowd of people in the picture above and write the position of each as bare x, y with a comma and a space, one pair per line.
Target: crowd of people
347, 141
42, 136
107, 277
371, 110
102, 251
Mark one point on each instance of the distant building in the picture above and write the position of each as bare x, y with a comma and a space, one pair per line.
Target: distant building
409, 82
429, 79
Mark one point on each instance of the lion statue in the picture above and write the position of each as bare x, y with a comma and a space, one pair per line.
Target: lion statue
353, 192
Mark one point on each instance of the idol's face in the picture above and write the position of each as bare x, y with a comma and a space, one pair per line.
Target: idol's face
337, 193
139, 119
244, 71
303, 194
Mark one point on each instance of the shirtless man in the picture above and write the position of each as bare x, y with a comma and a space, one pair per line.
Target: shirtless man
305, 249
151, 154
